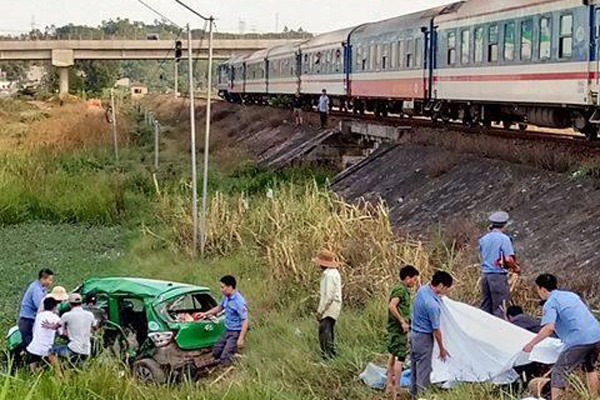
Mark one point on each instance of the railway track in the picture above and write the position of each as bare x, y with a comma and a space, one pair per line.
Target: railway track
569, 139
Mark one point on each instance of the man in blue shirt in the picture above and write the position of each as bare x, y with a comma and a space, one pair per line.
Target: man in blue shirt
567, 315
30, 304
425, 328
497, 258
236, 321
324, 108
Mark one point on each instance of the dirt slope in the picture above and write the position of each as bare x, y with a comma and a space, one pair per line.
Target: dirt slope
556, 219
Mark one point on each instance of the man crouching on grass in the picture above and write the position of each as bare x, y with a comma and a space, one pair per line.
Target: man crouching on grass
236, 321
398, 326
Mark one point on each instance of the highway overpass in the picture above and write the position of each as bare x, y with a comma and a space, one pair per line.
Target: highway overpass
64, 53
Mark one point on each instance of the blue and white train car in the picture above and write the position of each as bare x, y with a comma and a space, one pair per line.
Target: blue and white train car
390, 62
323, 64
284, 67
256, 76
525, 61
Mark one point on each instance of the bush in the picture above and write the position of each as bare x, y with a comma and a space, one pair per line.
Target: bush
33, 186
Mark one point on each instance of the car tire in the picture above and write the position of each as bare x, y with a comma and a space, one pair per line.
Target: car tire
149, 371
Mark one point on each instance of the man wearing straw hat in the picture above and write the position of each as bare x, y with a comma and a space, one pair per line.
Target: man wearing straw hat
497, 259
58, 293
330, 304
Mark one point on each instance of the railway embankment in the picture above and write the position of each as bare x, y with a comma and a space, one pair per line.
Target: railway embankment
441, 184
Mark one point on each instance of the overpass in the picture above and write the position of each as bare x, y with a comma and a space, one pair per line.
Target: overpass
64, 53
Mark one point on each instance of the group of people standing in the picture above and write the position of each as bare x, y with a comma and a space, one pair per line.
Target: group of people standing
324, 108
39, 323
565, 315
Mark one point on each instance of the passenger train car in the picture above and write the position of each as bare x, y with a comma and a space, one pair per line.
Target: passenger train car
478, 61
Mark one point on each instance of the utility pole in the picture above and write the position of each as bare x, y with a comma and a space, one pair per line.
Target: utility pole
114, 123
207, 139
193, 146
156, 144
176, 78
211, 21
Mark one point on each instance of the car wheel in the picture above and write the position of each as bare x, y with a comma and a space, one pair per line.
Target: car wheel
148, 371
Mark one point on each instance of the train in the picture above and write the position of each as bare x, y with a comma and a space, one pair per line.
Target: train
479, 62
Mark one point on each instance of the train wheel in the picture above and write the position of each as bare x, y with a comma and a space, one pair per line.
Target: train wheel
507, 123
590, 132
522, 127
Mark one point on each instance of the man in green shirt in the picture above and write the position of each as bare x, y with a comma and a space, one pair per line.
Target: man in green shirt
398, 325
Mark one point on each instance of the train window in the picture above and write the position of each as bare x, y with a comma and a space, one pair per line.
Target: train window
451, 58
493, 44
465, 46
409, 57
597, 34
509, 41
393, 56
338, 60
418, 52
545, 38
565, 44
401, 54
364, 54
372, 57
478, 45
526, 36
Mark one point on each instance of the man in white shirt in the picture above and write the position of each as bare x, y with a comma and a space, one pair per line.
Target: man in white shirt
330, 304
324, 108
77, 325
43, 333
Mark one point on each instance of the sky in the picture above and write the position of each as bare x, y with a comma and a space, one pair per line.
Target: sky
259, 15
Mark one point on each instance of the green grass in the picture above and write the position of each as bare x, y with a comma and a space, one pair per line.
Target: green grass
71, 251
80, 187
81, 214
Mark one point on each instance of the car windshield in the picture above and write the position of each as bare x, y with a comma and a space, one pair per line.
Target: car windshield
183, 308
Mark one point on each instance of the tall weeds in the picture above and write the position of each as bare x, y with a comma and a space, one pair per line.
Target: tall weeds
290, 226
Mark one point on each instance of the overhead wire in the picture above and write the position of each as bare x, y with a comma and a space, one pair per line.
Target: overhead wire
194, 11
159, 13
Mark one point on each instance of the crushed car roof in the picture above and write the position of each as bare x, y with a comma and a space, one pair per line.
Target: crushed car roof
139, 287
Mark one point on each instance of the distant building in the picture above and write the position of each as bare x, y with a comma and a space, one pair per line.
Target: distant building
7, 87
123, 82
138, 89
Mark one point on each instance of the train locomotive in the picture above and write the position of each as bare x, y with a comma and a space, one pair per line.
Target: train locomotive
480, 62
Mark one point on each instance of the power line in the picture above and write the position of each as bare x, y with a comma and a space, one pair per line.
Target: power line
194, 11
159, 13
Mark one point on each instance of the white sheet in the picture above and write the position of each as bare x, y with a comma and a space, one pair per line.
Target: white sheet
484, 348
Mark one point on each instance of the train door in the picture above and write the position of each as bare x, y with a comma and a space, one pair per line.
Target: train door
594, 63
432, 64
424, 54
298, 71
245, 75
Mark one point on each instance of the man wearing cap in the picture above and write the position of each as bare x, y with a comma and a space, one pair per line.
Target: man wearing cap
497, 259
330, 304
77, 325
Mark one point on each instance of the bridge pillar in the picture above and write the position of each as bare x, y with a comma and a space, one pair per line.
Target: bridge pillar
63, 59
63, 75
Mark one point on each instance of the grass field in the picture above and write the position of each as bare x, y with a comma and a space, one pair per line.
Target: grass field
78, 212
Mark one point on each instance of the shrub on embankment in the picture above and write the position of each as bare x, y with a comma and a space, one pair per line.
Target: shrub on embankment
290, 226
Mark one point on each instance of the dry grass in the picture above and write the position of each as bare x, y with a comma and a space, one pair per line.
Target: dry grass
289, 228
549, 156
73, 126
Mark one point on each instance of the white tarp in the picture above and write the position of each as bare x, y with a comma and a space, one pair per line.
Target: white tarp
484, 348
